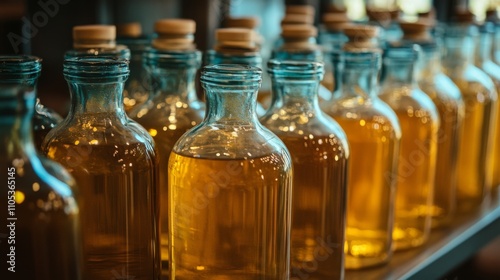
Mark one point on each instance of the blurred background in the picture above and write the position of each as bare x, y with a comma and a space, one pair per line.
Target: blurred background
44, 28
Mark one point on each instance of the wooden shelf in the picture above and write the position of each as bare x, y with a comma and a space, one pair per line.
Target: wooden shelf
446, 248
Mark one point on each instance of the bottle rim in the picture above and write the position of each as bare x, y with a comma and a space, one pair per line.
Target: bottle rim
405, 53
295, 69
13, 67
361, 59
95, 67
231, 75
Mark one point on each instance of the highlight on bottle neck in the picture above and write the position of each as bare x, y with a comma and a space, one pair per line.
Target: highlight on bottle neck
96, 69
231, 77
295, 71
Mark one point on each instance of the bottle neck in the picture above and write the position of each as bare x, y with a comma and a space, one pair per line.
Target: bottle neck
458, 52
355, 79
429, 65
15, 127
482, 48
399, 72
231, 105
94, 98
174, 82
302, 95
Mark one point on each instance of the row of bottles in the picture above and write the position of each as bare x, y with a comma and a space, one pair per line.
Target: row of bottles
171, 187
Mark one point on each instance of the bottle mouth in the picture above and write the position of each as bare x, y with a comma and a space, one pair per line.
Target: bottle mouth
95, 68
171, 59
19, 67
231, 75
406, 53
459, 30
295, 70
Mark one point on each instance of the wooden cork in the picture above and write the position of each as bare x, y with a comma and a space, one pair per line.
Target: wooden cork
361, 38
300, 10
94, 36
297, 37
235, 40
175, 34
464, 16
297, 19
129, 30
417, 31
242, 22
335, 21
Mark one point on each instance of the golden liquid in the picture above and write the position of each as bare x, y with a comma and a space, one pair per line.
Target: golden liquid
416, 168
445, 182
318, 206
166, 127
46, 229
117, 199
229, 218
494, 156
473, 146
374, 147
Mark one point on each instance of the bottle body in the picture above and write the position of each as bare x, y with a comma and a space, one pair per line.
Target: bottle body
230, 218
479, 97
419, 122
449, 104
171, 110
320, 155
373, 132
116, 168
41, 214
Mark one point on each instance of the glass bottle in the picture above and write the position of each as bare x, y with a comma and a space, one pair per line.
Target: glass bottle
374, 135
446, 96
39, 211
44, 119
236, 46
419, 120
137, 85
299, 44
172, 107
482, 60
320, 154
479, 97
230, 187
115, 167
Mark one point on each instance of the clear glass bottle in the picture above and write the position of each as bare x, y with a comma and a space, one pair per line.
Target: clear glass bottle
482, 60
299, 44
419, 120
137, 85
320, 154
446, 96
41, 216
116, 170
236, 46
172, 107
230, 187
374, 135
479, 97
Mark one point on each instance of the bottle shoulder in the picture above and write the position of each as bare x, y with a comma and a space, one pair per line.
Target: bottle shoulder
165, 112
473, 80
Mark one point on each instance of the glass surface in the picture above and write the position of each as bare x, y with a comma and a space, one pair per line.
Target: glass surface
115, 165
479, 97
230, 183
446, 96
171, 110
320, 154
373, 132
419, 120
482, 60
44, 119
41, 217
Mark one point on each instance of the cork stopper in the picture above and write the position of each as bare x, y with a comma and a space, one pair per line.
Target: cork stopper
300, 10
175, 34
361, 38
242, 22
298, 36
336, 9
417, 31
129, 30
335, 21
236, 40
431, 14
297, 19
382, 16
464, 16
94, 36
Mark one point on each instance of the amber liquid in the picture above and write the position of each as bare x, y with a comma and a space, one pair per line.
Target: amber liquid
416, 169
373, 145
494, 156
166, 128
229, 217
445, 182
46, 230
473, 146
117, 202
318, 206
